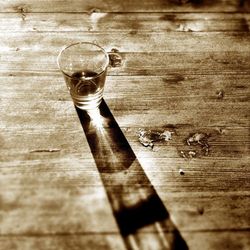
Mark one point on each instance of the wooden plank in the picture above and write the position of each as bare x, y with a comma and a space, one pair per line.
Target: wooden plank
219, 240
120, 6
200, 175
47, 209
120, 22
63, 242
122, 96
231, 143
192, 211
197, 211
169, 64
201, 55
195, 240
52, 42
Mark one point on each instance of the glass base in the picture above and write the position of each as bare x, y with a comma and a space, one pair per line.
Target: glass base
88, 102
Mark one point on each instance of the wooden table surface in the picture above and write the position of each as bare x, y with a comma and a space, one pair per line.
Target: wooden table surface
185, 68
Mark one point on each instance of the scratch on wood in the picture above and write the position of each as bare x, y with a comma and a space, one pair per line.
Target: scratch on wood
220, 94
50, 150
175, 79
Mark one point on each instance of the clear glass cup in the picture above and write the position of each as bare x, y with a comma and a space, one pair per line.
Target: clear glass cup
84, 67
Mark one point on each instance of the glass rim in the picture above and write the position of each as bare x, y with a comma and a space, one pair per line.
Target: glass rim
79, 43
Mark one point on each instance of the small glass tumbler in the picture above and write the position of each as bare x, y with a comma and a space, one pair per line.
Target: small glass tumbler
84, 67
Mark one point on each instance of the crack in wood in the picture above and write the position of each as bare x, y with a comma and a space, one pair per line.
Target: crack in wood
50, 150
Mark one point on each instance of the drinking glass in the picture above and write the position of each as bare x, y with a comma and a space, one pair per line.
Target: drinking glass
84, 67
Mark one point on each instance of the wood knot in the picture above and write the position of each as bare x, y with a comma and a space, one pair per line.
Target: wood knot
94, 10
21, 9
200, 210
115, 59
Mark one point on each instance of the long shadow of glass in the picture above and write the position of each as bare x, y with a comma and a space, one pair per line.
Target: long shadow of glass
142, 218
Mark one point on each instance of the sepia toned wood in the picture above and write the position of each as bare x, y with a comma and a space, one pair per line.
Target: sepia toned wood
138, 64
214, 240
128, 6
186, 71
82, 180
88, 241
53, 42
124, 22
122, 96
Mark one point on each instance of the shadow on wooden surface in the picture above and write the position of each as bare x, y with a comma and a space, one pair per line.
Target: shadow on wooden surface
142, 218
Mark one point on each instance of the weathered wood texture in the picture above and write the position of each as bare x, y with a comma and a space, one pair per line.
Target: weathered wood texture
184, 72
213, 240
124, 22
125, 6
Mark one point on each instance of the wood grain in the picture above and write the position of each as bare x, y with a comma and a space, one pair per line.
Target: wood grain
121, 22
87, 241
176, 105
32, 42
185, 68
165, 64
129, 6
214, 240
